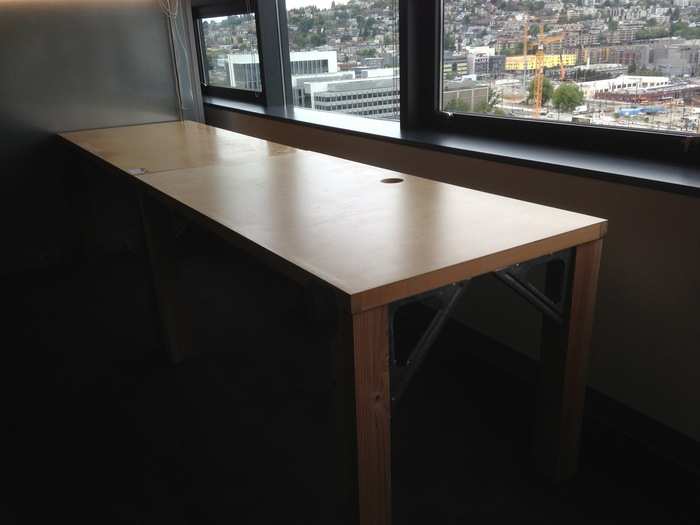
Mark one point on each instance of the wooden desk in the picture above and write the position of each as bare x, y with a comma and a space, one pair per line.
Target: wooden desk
376, 243
167, 146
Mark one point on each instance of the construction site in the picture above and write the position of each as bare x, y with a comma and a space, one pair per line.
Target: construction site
610, 94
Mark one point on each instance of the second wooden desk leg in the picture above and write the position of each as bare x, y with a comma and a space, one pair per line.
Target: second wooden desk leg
161, 245
363, 411
563, 367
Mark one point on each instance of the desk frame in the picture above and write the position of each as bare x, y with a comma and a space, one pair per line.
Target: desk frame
364, 366
363, 356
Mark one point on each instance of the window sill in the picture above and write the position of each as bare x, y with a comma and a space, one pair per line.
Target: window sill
676, 178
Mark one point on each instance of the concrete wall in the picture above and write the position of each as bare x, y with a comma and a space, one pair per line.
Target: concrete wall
66, 65
646, 344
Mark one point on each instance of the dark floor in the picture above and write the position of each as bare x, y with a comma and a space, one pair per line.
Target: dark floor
102, 431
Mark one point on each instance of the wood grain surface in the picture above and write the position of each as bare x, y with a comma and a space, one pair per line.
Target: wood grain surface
376, 242
167, 146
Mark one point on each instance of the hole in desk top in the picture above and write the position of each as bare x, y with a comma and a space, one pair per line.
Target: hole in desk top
392, 180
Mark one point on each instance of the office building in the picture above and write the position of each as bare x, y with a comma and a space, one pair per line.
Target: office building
244, 68
368, 97
515, 63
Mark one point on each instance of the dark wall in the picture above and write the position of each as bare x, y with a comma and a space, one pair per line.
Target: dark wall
67, 65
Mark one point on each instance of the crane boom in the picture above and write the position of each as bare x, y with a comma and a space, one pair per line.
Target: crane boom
525, 44
539, 72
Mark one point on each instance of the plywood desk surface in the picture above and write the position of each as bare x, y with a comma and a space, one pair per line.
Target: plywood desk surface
153, 148
375, 241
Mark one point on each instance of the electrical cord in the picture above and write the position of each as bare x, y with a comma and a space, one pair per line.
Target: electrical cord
171, 9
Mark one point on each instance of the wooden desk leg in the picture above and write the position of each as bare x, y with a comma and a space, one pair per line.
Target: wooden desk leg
363, 417
162, 253
563, 367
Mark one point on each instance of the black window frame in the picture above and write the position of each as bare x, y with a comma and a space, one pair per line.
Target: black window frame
216, 8
420, 46
421, 27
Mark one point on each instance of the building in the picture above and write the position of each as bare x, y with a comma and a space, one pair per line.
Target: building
675, 57
455, 67
367, 97
598, 71
628, 55
244, 71
244, 68
515, 63
313, 62
497, 65
623, 83
622, 35
376, 73
465, 95
478, 63
301, 95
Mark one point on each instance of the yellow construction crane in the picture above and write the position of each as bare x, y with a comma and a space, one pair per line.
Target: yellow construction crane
526, 36
539, 63
539, 72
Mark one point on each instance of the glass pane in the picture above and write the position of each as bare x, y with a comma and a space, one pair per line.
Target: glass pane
581, 61
230, 48
344, 56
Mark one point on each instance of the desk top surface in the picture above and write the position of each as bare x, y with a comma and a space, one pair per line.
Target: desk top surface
151, 148
376, 241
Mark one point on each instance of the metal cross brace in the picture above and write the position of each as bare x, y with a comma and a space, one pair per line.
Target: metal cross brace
401, 374
553, 302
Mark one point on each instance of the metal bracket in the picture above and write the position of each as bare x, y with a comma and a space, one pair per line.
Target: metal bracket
401, 374
552, 303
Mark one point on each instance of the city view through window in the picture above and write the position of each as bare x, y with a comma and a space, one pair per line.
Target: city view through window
344, 55
625, 63
230, 52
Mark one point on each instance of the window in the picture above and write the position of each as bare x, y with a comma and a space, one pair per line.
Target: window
524, 72
560, 62
342, 46
228, 49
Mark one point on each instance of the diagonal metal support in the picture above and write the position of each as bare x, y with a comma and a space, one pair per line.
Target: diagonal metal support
402, 374
553, 303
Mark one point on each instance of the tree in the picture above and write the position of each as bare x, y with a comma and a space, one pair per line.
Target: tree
368, 52
449, 41
547, 91
567, 97
487, 106
515, 50
458, 105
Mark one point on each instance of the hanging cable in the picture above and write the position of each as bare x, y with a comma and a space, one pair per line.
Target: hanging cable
171, 10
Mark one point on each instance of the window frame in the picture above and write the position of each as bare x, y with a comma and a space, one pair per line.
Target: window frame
421, 50
420, 47
217, 8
